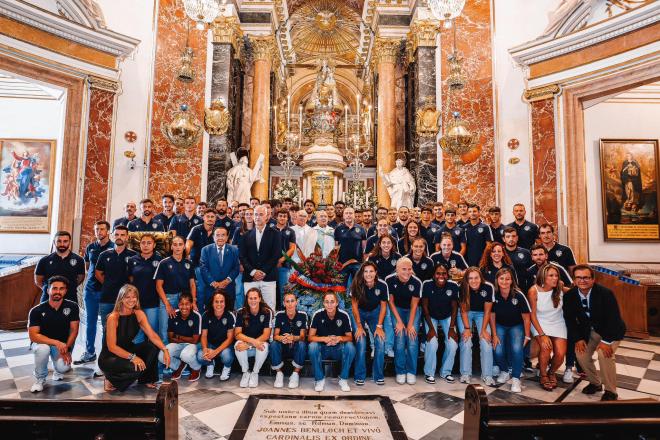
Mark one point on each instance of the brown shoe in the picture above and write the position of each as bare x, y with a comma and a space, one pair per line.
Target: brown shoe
194, 376
177, 373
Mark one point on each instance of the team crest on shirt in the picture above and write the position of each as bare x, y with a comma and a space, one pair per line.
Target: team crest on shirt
411, 287
448, 293
126, 260
558, 253
483, 293
526, 228
190, 323
299, 323
287, 233
43, 313
377, 292
339, 322
66, 311
480, 230
514, 301
434, 230
187, 265
107, 259
195, 221
393, 262
521, 255
169, 266
423, 266
73, 262
51, 262
457, 232
154, 225
261, 318
153, 263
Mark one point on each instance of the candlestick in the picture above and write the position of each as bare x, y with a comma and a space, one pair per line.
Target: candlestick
358, 118
366, 199
288, 111
346, 125
300, 122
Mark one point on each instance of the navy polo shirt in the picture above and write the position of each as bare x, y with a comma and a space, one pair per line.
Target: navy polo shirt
508, 312
563, 255
256, 323
121, 221
338, 326
440, 298
200, 238
490, 271
272, 223
115, 270
54, 324
350, 242
532, 271
227, 223
460, 222
165, 220
476, 238
373, 296
288, 236
371, 244
459, 261
176, 275
498, 233
423, 268
143, 271
403, 292
189, 326
438, 223
457, 236
478, 298
182, 225
399, 228
139, 225
92, 252
522, 260
292, 326
386, 266
69, 267
429, 233
527, 234
333, 224
217, 327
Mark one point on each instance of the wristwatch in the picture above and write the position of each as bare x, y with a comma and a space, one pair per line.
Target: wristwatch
379, 325
131, 357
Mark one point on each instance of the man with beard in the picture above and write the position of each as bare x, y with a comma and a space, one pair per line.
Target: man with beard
146, 222
556, 252
53, 328
339, 213
528, 232
165, 217
129, 208
310, 207
201, 236
496, 226
223, 219
520, 257
404, 218
462, 213
367, 219
178, 206
92, 291
182, 224
540, 258
61, 262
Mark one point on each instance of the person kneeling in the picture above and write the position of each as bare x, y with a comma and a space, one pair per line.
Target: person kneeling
183, 331
252, 334
331, 337
53, 328
217, 336
289, 340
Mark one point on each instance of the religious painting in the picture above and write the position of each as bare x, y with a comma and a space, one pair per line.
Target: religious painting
629, 179
27, 170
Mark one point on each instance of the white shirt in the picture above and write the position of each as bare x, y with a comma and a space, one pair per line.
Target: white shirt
258, 235
326, 239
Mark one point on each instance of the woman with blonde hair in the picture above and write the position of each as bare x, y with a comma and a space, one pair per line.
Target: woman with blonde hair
122, 361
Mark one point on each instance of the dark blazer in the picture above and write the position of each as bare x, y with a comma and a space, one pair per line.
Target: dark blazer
209, 264
265, 259
605, 317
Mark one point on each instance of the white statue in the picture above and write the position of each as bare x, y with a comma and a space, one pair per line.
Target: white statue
240, 179
400, 185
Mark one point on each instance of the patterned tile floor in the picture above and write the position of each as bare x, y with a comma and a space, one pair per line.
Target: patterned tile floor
209, 409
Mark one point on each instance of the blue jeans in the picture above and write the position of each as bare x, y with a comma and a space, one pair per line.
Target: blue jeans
153, 315
389, 331
278, 351
203, 291
371, 320
41, 354
104, 310
282, 280
318, 352
430, 358
510, 349
91, 299
181, 352
173, 299
486, 350
349, 272
240, 292
405, 349
226, 356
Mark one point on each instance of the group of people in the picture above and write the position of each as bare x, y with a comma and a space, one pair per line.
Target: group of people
221, 295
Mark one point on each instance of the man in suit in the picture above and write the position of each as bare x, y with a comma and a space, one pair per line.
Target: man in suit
594, 322
219, 265
259, 255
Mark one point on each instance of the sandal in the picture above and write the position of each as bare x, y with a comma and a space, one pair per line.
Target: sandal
107, 386
545, 383
552, 377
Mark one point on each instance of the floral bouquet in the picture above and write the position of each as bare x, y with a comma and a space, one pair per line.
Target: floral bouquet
315, 276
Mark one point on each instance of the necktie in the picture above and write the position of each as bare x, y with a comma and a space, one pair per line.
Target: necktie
221, 254
585, 306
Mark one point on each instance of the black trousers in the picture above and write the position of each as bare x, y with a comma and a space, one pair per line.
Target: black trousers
121, 372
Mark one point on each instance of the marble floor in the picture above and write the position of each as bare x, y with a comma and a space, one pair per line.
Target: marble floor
208, 409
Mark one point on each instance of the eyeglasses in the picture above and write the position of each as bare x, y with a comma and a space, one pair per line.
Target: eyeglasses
582, 278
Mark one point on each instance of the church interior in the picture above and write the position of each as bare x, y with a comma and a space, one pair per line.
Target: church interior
549, 104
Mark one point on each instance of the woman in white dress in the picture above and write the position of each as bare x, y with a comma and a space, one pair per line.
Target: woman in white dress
549, 328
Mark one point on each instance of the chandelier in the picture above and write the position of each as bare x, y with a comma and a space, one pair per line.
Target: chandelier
357, 154
203, 12
446, 10
457, 139
183, 131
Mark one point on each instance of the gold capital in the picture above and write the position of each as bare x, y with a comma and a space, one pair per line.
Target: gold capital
423, 33
541, 93
263, 48
227, 30
386, 50
102, 84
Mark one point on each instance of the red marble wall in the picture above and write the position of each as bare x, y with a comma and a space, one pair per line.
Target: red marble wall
473, 181
168, 173
99, 135
544, 161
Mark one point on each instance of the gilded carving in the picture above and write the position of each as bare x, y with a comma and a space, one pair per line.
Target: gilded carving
227, 30
426, 119
216, 118
423, 33
541, 93
386, 50
263, 48
103, 84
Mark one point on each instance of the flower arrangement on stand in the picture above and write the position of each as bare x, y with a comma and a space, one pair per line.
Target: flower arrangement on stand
315, 276
287, 188
358, 197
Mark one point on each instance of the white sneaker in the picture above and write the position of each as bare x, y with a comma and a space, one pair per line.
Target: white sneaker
400, 379
390, 353
568, 376
503, 377
294, 380
411, 379
279, 380
343, 385
319, 385
488, 380
515, 385
254, 380
465, 378
38, 386
209, 371
496, 370
226, 371
57, 375
245, 380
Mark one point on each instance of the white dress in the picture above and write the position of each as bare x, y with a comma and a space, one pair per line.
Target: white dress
551, 318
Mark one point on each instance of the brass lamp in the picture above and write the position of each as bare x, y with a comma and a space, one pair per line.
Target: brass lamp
457, 139
183, 131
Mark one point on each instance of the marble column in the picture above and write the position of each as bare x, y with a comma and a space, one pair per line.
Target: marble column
422, 37
225, 86
263, 50
386, 51
102, 96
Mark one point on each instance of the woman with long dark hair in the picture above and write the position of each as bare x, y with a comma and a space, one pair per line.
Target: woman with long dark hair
217, 338
410, 232
252, 333
493, 259
385, 257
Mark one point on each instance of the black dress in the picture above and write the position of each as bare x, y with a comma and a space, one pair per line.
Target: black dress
121, 372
